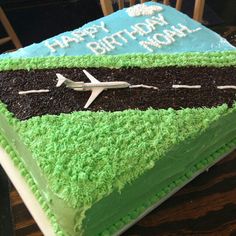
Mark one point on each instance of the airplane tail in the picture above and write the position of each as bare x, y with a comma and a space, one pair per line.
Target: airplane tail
61, 80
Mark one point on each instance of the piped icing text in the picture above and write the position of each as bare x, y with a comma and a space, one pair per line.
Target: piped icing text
147, 29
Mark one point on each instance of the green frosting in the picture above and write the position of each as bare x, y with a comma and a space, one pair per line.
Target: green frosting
9, 147
182, 163
87, 159
217, 59
87, 156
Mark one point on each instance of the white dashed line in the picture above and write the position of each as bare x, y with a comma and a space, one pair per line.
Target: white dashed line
227, 87
143, 86
177, 86
34, 91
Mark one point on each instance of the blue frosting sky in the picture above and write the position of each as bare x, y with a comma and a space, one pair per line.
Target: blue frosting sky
165, 29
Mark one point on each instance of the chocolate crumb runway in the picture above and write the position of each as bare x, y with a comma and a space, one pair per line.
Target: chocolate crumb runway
178, 87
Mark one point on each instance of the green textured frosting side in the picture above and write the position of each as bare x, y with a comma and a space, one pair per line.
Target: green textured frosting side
18, 161
85, 156
146, 200
94, 143
181, 163
217, 59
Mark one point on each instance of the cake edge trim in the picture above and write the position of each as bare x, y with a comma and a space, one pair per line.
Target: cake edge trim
217, 59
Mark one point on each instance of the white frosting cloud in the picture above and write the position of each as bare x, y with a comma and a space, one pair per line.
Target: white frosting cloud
143, 10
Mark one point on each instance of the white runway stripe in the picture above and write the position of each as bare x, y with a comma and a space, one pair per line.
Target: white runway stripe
34, 91
143, 86
227, 87
177, 86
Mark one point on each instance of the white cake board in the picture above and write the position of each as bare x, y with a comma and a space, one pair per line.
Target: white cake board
27, 196
36, 210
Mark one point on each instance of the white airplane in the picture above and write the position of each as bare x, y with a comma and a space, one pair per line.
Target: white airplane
95, 86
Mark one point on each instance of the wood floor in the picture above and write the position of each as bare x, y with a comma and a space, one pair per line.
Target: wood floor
206, 206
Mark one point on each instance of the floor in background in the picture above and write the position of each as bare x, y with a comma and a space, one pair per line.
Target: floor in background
6, 224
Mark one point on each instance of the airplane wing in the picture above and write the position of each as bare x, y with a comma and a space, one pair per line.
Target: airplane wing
93, 96
90, 77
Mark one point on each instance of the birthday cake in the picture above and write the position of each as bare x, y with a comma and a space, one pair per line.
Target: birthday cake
106, 121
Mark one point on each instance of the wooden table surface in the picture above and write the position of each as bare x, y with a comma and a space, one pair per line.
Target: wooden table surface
206, 206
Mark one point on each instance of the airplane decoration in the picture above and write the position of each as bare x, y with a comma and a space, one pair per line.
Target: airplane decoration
95, 86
